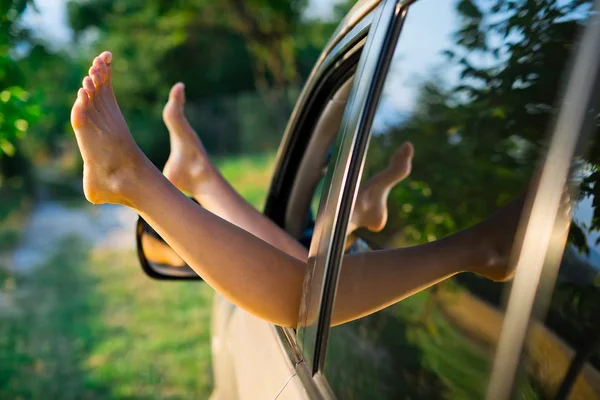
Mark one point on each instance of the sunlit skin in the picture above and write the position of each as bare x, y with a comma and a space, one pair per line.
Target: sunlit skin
157, 251
370, 209
190, 170
263, 277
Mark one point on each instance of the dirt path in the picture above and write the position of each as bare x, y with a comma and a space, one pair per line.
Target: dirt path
105, 226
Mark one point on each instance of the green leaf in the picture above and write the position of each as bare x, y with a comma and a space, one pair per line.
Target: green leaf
7, 147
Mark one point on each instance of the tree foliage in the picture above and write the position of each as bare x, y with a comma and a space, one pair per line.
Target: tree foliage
242, 62
490, 124
17, 108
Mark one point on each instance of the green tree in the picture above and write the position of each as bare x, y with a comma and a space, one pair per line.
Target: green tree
17, 109
510, 56
241, 61
490, 129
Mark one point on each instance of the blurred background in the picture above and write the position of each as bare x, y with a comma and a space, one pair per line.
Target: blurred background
76, 311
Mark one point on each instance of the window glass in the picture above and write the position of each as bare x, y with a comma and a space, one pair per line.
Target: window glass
562, 352
309, 187
460, 127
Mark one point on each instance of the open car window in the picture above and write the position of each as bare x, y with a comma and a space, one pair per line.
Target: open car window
308, 186
421, 318
348, 147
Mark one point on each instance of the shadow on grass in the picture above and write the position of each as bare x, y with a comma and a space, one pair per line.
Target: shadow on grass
92, 326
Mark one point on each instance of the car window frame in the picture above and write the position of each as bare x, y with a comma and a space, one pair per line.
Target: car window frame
336, 64
548, 183
532, 287
312, 100
349, 148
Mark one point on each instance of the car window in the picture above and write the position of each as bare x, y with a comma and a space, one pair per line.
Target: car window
316, 304
458, 132
307, 189
562, 351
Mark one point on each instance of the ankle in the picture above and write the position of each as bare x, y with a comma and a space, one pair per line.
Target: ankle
131, 182
489, 258
209, 181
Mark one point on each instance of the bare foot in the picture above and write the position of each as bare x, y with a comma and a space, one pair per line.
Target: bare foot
188, 166
492, 241
111, 159
495, 237
370, 210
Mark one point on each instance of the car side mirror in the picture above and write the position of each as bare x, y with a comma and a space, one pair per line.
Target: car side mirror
157, 258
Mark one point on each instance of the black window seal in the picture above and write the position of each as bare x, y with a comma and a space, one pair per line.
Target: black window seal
362, 133
305, 115
338, 72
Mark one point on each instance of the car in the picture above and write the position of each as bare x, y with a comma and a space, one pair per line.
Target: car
500, 101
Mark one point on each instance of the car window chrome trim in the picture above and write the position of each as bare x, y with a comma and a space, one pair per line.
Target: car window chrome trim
354, 31
341, 181
358, 32
540, 239
357, 13
287, 341
338, 58
313, 390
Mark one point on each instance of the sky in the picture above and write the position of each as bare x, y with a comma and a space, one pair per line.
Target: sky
51, 21
425, 34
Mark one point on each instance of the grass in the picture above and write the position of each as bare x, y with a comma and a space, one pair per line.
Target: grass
93, 326
411, 350
14, 207
250, 176
90, 325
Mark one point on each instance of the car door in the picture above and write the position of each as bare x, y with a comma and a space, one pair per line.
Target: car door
480, 154
252, 358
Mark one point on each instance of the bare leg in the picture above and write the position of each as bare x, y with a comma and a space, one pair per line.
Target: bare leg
189, 168
372, 281
248, 271
370, 210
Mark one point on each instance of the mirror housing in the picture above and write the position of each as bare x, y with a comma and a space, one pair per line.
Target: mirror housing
157, 258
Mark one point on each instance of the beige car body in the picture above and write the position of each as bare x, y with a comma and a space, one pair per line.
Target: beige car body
251, 359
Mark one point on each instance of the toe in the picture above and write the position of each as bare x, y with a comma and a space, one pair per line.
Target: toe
88, 85
177, 95
99, 63
82, 95
177, 91
96, 77
105, 59
102, 69
78, 116
173, 111
406, 150
401, 160
106, 56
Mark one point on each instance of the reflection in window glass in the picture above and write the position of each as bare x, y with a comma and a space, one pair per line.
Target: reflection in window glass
460, 127
563, 351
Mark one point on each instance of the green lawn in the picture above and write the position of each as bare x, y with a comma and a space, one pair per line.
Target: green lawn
14, 206
410, 350
91, 325
250, 176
